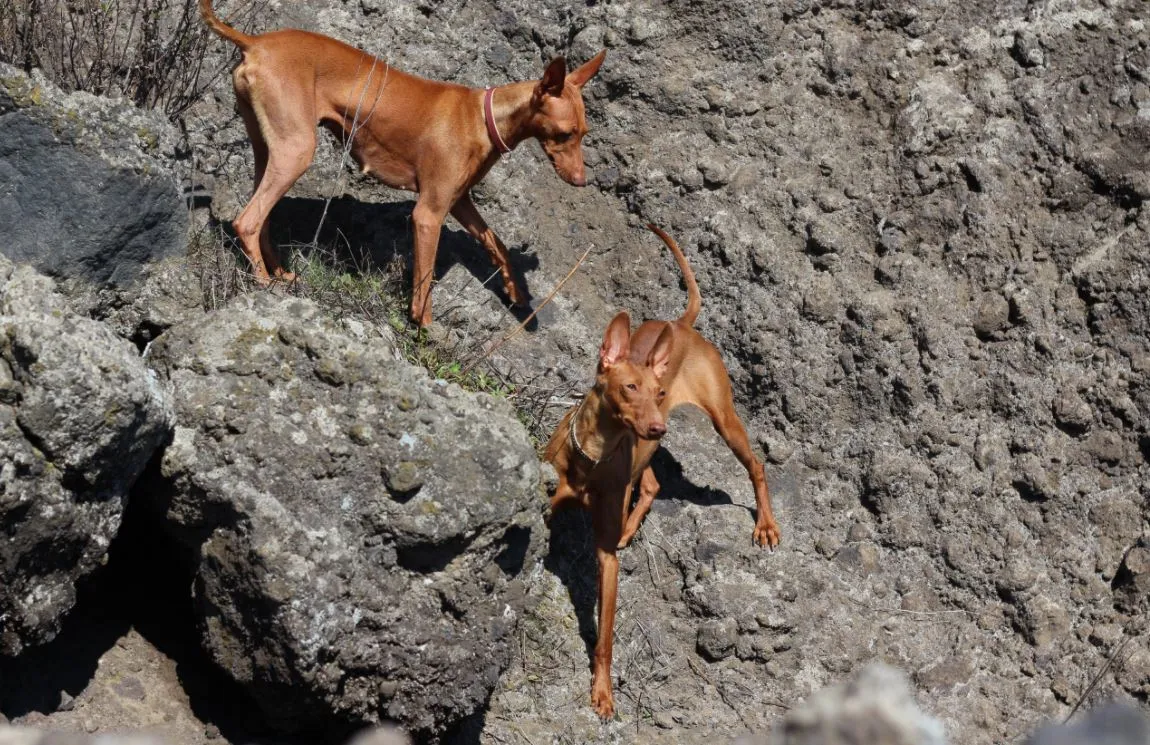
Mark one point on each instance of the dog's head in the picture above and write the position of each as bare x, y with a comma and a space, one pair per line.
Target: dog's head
633, 392
558, 119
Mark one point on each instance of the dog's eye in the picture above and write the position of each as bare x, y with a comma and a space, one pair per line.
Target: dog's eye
662, 394
632, 387
563, 137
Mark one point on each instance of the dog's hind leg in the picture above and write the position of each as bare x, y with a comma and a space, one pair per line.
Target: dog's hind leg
283, 141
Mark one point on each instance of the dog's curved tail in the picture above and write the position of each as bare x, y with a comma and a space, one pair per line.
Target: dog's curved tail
240, 39
694, 299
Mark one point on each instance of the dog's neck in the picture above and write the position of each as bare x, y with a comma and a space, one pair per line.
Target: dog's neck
511, 108
597, 434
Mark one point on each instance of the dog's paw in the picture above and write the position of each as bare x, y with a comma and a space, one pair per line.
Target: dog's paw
603, 703
766, 535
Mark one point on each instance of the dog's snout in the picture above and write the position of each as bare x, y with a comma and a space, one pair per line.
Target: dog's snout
656, 429
578, 179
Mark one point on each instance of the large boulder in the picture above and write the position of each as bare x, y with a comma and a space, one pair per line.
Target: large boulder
80, 416
361, 530
87, 188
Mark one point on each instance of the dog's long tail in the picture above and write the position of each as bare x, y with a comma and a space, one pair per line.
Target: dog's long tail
240, 39
694, 299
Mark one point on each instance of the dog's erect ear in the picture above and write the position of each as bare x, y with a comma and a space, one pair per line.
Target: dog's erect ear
586, 71
616, 342
660, 357
551, 84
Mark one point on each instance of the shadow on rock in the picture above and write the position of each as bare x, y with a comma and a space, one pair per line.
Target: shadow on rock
571, 556
363, 236
145, 585
44, 678
674, 484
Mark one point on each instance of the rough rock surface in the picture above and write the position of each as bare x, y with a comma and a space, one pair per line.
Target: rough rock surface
362, 532
89, 189
921, 236
80, 416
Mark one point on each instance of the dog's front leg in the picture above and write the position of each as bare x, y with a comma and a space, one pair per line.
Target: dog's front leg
427, 218
607, 523
468, 216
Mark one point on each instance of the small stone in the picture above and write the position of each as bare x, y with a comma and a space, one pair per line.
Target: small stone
1017, 577
1071, 412
1044, 622
130, 688
403, 480
1034, 480
862, 557
1106, 446
1132, 581
777, 449
1027, 49
715, 173
716, 638
330, 371
992, 315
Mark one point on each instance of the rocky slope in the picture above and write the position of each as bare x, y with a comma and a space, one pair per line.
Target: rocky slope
921, 239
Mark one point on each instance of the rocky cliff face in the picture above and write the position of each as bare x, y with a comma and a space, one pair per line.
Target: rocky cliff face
921, 240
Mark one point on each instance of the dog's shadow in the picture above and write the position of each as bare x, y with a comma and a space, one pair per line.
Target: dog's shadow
571, 555
362, 237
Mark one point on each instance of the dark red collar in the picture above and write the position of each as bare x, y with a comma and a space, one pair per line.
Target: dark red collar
492, 130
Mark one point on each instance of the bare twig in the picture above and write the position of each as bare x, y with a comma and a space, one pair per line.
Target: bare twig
1097, 678
527, 320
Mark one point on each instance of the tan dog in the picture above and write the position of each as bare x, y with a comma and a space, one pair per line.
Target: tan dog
604, 446
438, 139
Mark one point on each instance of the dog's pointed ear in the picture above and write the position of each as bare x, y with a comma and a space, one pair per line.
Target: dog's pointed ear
660, 357
616, 342
587, 70
551, 84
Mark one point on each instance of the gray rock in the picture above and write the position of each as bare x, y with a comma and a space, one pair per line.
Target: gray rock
1132, 581
80, 416
89, 188
717, 638
362, 531
892, 166
993, 314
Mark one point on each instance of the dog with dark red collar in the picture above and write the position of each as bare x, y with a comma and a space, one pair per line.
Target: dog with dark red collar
437, 139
